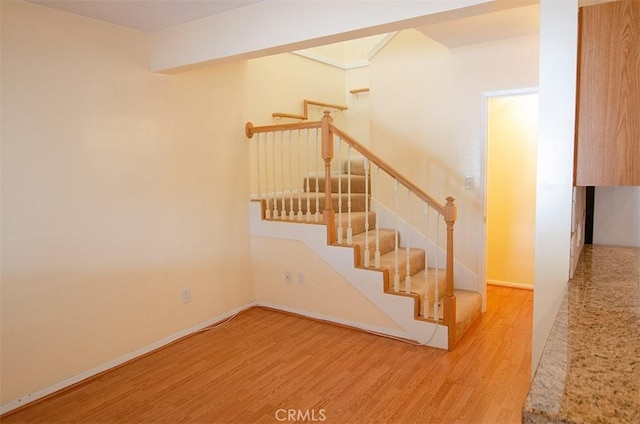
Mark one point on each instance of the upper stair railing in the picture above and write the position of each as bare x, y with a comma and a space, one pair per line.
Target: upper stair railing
296, 169
305, 110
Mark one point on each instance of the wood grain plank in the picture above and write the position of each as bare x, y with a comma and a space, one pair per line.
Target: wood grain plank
608, 130
264, 360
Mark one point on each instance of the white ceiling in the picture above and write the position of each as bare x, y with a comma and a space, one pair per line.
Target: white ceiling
488, 27
145, 15
155, 15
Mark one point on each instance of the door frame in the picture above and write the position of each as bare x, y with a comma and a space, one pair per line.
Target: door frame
482, 254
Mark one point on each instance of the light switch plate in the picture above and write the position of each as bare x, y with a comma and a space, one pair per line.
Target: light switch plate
468, 182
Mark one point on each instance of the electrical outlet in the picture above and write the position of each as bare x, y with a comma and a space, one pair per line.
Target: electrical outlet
287, 277
186, 295
302, 280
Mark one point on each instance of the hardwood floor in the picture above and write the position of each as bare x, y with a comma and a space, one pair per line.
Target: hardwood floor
257, 367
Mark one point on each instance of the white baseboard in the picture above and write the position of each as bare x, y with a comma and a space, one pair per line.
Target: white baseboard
31, 397
353, 324
511, 284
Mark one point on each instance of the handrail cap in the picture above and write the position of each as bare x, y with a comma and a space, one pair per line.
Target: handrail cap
248, 130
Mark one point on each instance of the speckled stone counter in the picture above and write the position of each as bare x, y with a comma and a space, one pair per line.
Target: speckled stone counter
590, 368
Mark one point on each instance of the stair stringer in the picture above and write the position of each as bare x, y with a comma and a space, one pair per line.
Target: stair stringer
368, 282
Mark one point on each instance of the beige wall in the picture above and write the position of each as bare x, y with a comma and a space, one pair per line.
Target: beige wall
324, 293
120, 188
358, 122
427, 115
115, 196
280, 83
511, 189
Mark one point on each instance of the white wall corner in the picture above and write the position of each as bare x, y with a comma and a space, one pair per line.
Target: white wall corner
320, 58
554, 192
386, 40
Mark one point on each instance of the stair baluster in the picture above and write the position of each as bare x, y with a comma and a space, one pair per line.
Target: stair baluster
436, 296
317, 213
407, 279
299, 174
349, 229
274, 215
339, 161
396, 275
307, 188
292, 214
367, 253
267, 211
376, 260
283, 206
425, 301
259, 190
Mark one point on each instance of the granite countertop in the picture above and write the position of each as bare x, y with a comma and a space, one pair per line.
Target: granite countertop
590, 367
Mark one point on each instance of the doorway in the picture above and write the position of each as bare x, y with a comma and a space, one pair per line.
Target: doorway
510, 196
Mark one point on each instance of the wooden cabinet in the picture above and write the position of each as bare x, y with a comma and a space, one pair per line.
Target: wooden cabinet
608, 114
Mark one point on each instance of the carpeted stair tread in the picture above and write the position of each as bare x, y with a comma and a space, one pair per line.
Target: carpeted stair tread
418, 287
357, 223
357, 184
468, 309
357, 166
417, 263
386, 242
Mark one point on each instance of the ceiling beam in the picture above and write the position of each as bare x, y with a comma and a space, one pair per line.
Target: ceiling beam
271, 27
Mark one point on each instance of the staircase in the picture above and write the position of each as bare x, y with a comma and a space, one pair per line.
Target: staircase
341, 198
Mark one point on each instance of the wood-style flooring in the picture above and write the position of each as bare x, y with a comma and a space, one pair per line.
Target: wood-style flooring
260, 365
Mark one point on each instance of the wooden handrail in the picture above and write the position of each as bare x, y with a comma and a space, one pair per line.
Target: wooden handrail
359, 90
250, 130
289, 115
305, 107
421, 194
389, 170
322, 104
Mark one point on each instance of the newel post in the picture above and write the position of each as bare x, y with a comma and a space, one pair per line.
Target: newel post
327, 155
450, 216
